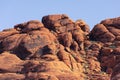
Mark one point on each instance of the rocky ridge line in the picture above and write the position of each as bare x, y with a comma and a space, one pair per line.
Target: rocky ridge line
60, 49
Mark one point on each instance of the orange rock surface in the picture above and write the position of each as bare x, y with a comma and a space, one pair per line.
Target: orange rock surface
60, 49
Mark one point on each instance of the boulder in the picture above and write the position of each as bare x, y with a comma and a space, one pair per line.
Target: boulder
78, 36
31, 41
66, 39
34, 43
10, 63
58, 23
112, 22
101, 33
12, 42
29, 26
107, 30
6, 33
82, 24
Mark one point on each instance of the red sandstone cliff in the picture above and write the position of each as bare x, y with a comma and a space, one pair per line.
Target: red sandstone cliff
60, 49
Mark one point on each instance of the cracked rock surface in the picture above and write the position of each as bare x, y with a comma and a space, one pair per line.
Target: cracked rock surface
57, 48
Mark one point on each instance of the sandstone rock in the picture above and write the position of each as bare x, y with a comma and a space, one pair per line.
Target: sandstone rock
108, 30
51, 21
108, 62
61, 49
11, 76
108, 44
94, 65
100, 33
12, 42
112, 22
7, 33
117, 59
10, 63
51, 48
74, 46
99, 29
87, 44
59, 23
29, 26
114, 31
70, 77
95, 47
83, 25
64, 56
116, 51
41, 76
109, 70
92, 53
42, 39
49, 57
27, 45
34, 43
71, 60
54, 69
106, 51
117, 43
116, 73
66, 39
1, 47
50, 67
117, 38
78, 36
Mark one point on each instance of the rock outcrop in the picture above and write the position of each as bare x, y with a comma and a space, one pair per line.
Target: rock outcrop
60, 49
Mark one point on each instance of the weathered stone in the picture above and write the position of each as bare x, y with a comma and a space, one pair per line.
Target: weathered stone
56, 21
10, 63
78, 35
117, 38
95, 46
112, 22
34, 43
100, 33
11, 76
116, 72
53, 18
116, 51
83, 25
66, 39
29, 26
74, 46
7, 33
87, 44
61, 49
94, 65
49, 57
114, 31
105, 51
12, 42
108, 62
117, 43
64, 56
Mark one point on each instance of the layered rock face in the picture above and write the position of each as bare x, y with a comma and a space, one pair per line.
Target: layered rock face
60, 49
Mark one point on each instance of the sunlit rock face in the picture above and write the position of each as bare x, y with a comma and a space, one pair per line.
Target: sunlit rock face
58, 48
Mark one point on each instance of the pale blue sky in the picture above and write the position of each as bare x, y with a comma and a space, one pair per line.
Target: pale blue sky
92, 11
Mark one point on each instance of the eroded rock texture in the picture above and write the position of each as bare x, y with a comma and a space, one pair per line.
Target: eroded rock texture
60, 49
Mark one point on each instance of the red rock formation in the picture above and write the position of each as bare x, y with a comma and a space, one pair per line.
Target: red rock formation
60, 49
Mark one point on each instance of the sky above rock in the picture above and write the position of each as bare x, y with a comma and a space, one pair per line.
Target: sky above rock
92, 11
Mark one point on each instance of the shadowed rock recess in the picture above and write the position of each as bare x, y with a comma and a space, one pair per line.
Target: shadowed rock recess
60, 49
